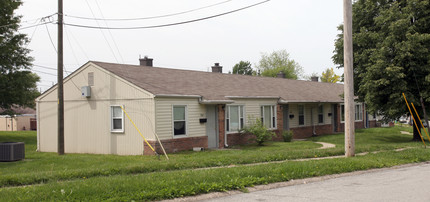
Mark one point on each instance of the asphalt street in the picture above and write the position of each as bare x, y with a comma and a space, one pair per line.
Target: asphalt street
404, 183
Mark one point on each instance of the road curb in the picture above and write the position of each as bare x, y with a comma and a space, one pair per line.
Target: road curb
213, 195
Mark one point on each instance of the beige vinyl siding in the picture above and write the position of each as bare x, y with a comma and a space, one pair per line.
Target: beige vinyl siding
294, 122
88, 120
164, 117
252, 108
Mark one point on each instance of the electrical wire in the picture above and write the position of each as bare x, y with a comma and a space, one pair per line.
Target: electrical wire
69, 31
28, 22
45, 67
104, 36
42, 23
151, 17
170, 24
42, 72
110, 33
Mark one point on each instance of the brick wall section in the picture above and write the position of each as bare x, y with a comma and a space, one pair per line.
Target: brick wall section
176, 144
305, 132
221, 125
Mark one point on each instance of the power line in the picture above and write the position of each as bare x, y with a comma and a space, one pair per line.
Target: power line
69, 31
45, 67
99, 27
110, 33
167, 25
150, 17
28, 21
42, 23
42, 72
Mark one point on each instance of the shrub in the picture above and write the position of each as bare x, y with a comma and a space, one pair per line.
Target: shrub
260, 132
287, 135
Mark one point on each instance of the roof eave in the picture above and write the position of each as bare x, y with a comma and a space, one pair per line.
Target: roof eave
176, 96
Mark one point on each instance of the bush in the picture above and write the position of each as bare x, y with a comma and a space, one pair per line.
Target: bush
287, 135
260, 132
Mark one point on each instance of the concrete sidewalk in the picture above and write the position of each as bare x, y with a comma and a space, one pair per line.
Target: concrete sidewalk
402, 183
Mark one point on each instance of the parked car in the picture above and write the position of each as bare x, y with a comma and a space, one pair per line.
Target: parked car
403, 119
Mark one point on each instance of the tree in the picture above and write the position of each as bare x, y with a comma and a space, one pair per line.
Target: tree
271, 64
329, 76
391, 43
243, 67
17, 83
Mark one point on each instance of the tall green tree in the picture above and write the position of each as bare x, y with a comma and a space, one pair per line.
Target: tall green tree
271, 64
391, 42
17, 83
243, 67
329, 76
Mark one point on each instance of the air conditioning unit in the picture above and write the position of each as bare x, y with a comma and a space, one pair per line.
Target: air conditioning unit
12, 151
86, 91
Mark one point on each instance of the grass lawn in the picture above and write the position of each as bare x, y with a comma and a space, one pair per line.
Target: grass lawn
103, 177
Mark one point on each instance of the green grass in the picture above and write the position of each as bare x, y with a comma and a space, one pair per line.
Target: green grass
159, 185
102, 177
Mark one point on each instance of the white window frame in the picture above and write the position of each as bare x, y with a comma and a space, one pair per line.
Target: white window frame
273, 118
320, 114
241, 115
173, 121
360, 111
112, 118
298, 115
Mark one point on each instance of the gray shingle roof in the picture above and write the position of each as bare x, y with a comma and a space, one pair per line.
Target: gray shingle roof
216, 86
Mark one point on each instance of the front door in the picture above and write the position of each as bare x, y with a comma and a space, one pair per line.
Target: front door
212, 126
285, 117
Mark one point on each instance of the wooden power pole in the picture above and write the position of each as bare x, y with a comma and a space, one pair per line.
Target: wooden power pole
349, 80
60, 150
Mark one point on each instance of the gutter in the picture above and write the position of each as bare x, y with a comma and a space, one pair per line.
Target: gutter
304, 101
202, 101
253, 97
177, 95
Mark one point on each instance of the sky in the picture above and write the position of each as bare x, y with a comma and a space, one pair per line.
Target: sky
306, 29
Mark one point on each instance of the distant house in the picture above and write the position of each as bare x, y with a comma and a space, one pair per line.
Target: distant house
22, 119
184, 108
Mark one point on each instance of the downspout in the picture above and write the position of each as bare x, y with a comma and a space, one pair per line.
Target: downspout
225, 132
312, 121
38, 126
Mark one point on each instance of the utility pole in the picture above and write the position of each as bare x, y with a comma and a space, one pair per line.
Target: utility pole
349, 81
60, 150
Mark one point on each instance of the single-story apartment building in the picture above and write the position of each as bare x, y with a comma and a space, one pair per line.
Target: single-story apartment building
183, 108
24, 118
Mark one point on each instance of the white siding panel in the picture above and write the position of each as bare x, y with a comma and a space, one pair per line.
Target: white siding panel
253, 107
293, 109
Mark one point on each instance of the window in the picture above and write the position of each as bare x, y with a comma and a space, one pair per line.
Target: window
234, 118
117, 119
358, 112
179, 120
321, 114
268, 116
301, 115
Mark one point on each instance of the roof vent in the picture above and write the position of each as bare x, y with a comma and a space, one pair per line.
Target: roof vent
145, 61
281, 74
217, 68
